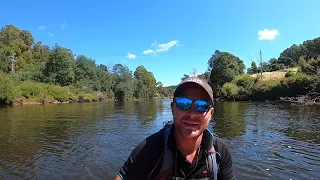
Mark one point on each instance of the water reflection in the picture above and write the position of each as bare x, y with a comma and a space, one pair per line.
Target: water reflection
229, 119
91, 141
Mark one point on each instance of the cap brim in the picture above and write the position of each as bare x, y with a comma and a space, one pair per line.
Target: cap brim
185, 85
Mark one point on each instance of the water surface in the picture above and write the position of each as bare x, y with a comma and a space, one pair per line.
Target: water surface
92, 141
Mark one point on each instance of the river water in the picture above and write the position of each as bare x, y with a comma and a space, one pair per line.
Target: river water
92, 140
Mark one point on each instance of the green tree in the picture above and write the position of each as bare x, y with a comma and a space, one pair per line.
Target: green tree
224, 67
123, 83
86, 74
311, 48
8, 34
60, 67
185, 76
161, 90
290, 56
205, 76
5, 62
254, 67
146, 83
105, 80
14, 41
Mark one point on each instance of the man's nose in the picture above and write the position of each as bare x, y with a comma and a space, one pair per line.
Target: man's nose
192, 109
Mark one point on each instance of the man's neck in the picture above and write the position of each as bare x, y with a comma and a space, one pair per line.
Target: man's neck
188, 147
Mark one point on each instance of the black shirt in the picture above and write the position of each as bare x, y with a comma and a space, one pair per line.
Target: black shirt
144, 158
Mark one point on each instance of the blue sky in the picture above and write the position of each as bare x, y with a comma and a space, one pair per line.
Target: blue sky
169, 38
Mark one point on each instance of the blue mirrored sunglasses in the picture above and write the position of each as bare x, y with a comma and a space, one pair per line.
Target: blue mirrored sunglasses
183, 103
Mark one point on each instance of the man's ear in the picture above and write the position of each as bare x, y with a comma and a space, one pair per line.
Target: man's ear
172, 106
212, 111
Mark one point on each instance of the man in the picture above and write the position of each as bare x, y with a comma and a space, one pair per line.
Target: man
184, 149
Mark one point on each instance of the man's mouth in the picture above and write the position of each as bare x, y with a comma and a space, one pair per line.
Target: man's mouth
189, 124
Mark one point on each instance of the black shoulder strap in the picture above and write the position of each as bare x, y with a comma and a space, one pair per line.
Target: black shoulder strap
166, 157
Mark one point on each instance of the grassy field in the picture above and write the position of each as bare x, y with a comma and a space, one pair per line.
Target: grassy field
267, 76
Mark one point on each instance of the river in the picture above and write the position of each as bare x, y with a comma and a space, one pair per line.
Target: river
92, 140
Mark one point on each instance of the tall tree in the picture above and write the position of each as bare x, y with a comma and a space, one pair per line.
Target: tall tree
146, 83
123, 83
254, 67
60, 67
224, 67
86, 74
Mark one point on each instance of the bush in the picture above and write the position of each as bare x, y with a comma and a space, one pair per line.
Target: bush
297, 85
59, 93
6, 88
230, 90
290, 74
31, 90
245, 84
87, 97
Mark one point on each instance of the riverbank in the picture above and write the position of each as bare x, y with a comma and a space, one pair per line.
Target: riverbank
24, 101
310, 99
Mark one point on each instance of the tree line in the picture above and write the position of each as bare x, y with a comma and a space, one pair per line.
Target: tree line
33, 71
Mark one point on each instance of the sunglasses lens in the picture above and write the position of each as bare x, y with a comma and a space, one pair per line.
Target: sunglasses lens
202, 106
183, 103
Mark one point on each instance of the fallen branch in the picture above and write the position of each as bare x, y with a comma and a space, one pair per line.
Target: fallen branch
309, 99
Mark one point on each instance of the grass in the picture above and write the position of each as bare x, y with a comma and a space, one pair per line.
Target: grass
275, 75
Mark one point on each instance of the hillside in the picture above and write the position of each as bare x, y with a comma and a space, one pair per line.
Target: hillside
267, 76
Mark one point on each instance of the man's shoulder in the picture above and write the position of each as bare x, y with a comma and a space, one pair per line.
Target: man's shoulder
219, 142
143, 157
220, 145
151, 145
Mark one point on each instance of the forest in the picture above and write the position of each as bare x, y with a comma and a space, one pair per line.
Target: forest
31, 72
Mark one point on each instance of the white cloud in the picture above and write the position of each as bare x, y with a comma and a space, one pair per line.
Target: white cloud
154, 43
148, 51
51, 34
63, 25
160, 47
268, 34
42, 27
131, 56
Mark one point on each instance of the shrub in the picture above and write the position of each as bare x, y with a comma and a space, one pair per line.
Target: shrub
230, 90
290, 74
6, 88
245, 84
59, 93
31, 90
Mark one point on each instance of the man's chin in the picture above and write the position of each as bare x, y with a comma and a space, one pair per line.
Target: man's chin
190, 133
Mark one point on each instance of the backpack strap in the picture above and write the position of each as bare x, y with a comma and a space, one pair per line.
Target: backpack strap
212, 163
167, 158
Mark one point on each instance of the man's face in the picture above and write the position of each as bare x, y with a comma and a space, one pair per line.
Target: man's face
191, 123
